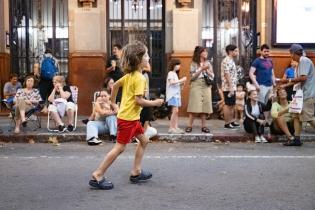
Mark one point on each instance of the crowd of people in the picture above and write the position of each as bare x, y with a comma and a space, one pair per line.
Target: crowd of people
263, 102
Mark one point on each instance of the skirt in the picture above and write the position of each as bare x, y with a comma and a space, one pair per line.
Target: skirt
200, 98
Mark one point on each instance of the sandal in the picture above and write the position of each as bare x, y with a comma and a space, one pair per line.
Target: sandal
103, 184
143, 176
205, 130
188, 129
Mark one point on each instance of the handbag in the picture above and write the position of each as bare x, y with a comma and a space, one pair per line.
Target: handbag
209, 81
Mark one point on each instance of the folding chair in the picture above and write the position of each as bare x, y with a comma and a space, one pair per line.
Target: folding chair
31, 116
74, 93
95, 95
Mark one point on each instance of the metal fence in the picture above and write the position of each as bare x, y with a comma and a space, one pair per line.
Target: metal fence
141, 20
34, 26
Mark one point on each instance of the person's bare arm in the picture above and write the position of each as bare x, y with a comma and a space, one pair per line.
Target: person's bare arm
64, 94
52, 95
113, 96
252, 76
273, 78
228, 79
143, 102
102, 111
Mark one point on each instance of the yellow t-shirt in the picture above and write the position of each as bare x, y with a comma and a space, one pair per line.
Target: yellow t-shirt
133, 84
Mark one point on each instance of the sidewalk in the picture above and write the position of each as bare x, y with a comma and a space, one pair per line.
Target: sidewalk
217, 133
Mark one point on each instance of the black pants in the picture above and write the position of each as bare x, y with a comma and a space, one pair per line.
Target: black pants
45, 88
253, 127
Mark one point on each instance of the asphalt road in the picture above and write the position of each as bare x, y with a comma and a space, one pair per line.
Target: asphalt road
185, 176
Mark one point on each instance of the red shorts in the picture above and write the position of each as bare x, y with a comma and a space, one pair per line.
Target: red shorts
127, 130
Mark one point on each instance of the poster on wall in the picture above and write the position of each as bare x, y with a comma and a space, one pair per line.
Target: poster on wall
293, 22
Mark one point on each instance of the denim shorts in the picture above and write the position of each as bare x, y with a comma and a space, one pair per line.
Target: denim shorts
174, 102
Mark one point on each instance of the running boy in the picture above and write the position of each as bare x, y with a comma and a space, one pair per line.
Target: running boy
133, 85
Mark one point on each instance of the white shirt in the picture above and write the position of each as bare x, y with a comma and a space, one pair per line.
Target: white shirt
255, 111
172, 90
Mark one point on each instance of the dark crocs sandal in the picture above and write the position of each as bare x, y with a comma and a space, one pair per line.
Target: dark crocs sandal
205, 130
143, 176
101, 185
188, 129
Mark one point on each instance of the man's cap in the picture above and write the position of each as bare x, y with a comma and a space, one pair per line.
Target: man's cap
296, 48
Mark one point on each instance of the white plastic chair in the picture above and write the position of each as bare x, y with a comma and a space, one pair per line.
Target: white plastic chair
74, 93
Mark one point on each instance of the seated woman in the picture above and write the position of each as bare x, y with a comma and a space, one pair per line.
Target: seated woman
61, 102
108, 86
254, 116
282, 123
25, 99
105, 120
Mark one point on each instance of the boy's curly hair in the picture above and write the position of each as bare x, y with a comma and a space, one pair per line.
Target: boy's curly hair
132, 55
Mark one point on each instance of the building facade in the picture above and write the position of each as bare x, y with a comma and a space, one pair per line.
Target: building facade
81, 33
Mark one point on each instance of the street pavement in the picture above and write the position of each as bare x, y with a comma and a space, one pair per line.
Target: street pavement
195, 176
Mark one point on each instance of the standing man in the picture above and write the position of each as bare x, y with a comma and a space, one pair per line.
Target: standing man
306, 77
229, 82
113, 67
46, 70
264, 80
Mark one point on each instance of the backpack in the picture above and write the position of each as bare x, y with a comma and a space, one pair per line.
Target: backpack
48, 68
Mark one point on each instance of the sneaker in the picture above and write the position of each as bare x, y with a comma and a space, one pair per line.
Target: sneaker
94, 141
62, 128
173, 131
143, 176
229, 126
257, 139
263, 139
180, 130
70, 128
150, 132
234, 124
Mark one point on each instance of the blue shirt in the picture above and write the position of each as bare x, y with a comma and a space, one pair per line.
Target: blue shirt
264, 68
290, 73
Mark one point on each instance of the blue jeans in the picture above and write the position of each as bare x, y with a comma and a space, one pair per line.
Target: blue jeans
94, 128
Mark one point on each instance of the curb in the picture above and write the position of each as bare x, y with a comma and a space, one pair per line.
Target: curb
163, 137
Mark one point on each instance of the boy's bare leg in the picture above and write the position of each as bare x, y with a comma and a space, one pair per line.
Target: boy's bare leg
143, 142
108, 160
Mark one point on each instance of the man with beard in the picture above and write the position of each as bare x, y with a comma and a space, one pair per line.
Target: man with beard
262, 74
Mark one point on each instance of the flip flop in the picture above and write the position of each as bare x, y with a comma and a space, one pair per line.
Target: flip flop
103, 184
